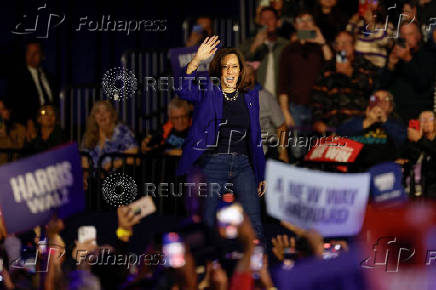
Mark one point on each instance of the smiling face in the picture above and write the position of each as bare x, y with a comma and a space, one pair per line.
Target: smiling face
230, 70
103, 116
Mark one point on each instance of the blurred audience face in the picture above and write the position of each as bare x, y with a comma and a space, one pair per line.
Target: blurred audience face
230, 70
327, 4
384, 101
344, 42
103, 116
304, 22
269, 19
276, 4
33, 55
408, 12
427, 122
180, 119
206, 24
4, 112
411, 34
47, 117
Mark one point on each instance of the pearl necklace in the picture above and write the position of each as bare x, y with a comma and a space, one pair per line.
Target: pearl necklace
231, 98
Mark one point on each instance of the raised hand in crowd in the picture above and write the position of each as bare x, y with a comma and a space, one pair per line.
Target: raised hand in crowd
206, 50
282, 244
374, 115
414, 135
259, 39
126, 220
399, 53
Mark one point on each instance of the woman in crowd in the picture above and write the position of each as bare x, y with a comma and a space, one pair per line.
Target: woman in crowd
12, 134
224, 140
374, 33
421, 151
329, 18
104, 134
48, 134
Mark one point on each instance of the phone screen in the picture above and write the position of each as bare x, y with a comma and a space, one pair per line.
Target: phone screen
414, 124
229, 218
173, 249
256, 262
86, 233
331, 250
341, 56
306, 34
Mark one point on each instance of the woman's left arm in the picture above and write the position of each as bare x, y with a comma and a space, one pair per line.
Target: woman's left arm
258, 154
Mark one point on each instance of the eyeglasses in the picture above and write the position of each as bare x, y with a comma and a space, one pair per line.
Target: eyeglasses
177, 118
304, 19
46, 113
429, 119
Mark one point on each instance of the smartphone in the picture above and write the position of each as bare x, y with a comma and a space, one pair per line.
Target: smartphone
197, 28
373, 101
401, 42
331, 250
173, 250
364, 5
86, 233
229, 217
415, 125
256, 261
1, 272
143, 206
341, 56
306, 34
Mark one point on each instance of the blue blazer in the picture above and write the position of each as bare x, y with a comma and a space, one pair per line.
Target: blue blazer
207, 115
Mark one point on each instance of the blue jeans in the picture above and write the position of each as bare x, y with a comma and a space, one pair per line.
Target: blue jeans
236, 169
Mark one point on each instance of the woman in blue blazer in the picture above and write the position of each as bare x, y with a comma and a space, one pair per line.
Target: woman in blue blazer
225, 139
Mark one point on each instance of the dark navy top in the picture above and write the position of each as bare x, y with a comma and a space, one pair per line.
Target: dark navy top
234, 126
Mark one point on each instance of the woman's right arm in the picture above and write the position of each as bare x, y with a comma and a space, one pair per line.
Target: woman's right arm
206, 50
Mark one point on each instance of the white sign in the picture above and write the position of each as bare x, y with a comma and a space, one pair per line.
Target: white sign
332, 203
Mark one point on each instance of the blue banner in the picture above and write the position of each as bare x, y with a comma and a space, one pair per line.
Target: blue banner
180, 57
35, 187
386, 183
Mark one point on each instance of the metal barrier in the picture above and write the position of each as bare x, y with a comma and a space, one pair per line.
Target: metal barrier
143, 169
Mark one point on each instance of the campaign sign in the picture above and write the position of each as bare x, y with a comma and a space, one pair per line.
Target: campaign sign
341, 273
339, 150
33, 188
180, 57
386, 183
332, 203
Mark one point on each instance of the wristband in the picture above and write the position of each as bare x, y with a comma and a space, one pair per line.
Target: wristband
122, 233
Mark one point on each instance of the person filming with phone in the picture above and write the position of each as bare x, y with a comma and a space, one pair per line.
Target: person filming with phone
343, 87
382, 134
421, 152
409, 74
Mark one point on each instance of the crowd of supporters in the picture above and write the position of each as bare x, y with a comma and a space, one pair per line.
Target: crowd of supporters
320, 71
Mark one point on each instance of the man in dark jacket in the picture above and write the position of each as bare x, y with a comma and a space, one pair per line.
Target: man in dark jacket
409, 74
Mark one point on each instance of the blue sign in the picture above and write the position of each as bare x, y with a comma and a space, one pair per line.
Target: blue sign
386, 183
34, 188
